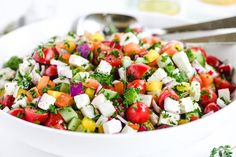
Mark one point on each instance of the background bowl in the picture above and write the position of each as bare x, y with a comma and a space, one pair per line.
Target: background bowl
64, 143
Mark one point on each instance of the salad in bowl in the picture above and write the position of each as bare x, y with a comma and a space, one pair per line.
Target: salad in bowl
125, 83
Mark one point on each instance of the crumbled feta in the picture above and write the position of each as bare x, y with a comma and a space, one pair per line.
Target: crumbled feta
7, 73
224, 94
27, 66
146, 99
61, 80
57, 62
169, 118
81, 100
35, 75
128, 38
79, 61
212, 70
2, 83
20, 101
101, 120
220, 102
6, 109
172, 105
64, 71
45, 101
104, 68
122, 73
186, 105
195, 90
126, 61
128, 129
98, 100
106, 108
111, 127
11, 88
158, 75
164, 60
88, 111
168, 80
182, 62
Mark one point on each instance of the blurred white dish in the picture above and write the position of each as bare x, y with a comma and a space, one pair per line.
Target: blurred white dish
64, 143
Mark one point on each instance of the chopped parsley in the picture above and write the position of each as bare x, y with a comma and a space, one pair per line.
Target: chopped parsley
13, 62
24, 81
164, 58
40, 53
103, 78
222, 151
116, 53
62, 77
155, 45
71, 34
131, 96
33, 93
52, 109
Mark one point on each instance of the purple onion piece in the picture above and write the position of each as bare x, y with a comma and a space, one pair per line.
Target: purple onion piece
142, 128
76, 89
84, 50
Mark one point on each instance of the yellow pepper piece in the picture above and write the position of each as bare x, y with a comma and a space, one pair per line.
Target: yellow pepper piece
152, 55
183, 121
2, 92
69, 45
100, 129
88, 124
21, 91
90, 92
183, 87
97, 37
153, 86
55, 94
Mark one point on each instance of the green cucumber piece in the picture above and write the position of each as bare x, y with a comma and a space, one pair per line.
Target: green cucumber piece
200, 58
191, 114
74, 123
109, 94
68, 113
65, 88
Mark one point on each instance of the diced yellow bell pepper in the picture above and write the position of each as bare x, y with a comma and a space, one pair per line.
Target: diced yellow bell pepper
90, 92
183, 121
88, 124
53, 93
21, 91
97, 37
2, 92
69, 45
183, 87
152, 55
153, 86
100, 129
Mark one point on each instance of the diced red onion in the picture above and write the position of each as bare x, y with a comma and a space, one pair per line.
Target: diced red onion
98, 89
156, 107
76, 89
84, 50
198, 67
142, 128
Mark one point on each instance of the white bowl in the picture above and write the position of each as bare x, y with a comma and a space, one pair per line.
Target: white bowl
65, 143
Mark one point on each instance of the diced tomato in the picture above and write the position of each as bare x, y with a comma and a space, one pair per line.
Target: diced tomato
119, 87
53, 120
32, 93
211, 107
7, 100
91, 83
207, 79
213, 61
35, 116
207, 96
44, 56
131, 49
17, 112
138, 113
115, 61
225, 69
193, 118
59, 127
42, 82
64, 100
137, 70
163, 126
171, 48
201, 50
221, 84
51, 71
197, 78
138, 84
165, 94
65, 57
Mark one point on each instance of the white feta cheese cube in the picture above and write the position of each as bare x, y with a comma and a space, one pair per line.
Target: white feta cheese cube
84, 75
122, 73
182, 62
101, 120
88, 111
7, 73
11, 88
126, 61
172, 105
64, 71
220, 102
224, 94
2, 83
186, 105
195, 90
111, 127
106, 108
104, 68
20, 101
197, 107
169, 118
81, 100
146, 99
141, 60
212, 70
158, 75
98, 100
6, 109
35, 75
167, 80
128, 38
164, 60
79, 61
154, 118
45, 101
26, 66
57, 62
61, 80
128, 129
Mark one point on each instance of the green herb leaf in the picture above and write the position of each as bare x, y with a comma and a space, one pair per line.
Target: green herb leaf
103, 78
131, 96
13, 62
222, 151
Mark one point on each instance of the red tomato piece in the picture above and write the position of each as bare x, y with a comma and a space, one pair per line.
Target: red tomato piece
165, 94
207, 96
17, 112
163, 126
207, 79
211, 107
114, 60
225, 69
221, 84
138, 113
59, 127
138, 84
137, 70
35, 116
51, 71
53, 120
7, 100
131, 49
170, 48
44, 56
213, 61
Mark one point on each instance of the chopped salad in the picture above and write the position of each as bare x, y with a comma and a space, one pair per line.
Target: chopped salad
124, 83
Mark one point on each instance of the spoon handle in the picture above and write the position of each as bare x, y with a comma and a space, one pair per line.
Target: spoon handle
216, 24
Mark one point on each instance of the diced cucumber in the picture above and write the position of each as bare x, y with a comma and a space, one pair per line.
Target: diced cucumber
74, 123
65, 88
169, 69
68, 113
141, 60
200, 58
109, 94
